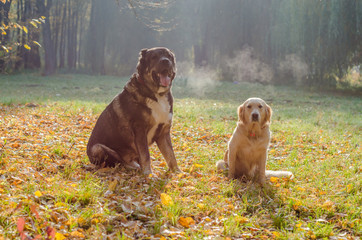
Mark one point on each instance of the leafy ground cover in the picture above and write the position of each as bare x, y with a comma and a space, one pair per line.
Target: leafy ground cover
48, 188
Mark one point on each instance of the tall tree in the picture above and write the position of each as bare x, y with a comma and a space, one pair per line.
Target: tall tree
50, 58
4, 34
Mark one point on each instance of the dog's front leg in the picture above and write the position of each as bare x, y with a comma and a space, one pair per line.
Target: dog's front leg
261, 169
231, 162
143, 151
165, 145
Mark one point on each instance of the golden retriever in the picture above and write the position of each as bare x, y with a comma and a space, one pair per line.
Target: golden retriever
248, 147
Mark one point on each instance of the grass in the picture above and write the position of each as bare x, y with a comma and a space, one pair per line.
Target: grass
46, 179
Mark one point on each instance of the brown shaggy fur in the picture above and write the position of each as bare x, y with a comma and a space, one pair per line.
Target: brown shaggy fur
139, 116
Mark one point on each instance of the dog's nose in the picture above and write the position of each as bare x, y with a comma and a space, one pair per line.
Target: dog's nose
255, 116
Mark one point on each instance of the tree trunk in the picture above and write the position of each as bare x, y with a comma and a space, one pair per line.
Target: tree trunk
50, 62
96, 38
62, 38
4, 19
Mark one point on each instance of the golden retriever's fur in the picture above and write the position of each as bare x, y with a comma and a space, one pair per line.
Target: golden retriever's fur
247, 149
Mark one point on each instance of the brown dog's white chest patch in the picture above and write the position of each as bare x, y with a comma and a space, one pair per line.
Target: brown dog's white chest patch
161, 114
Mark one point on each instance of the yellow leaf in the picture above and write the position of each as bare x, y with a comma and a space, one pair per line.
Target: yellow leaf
27, 46
274, 179
25, 29
297, 204
5, 48
349, 188
34, 24
59, 236
328, 205
198, 165
95, 221
300, 189
186, 222
208, 232
241, 219
60, 204
77, 234
3, 1
166, 200
38, 194
201, 205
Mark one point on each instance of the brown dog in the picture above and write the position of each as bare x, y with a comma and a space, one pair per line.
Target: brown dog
247, 148
139, 116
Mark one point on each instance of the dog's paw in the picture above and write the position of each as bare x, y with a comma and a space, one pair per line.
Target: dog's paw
176, 170
147, 172
262, 181
133, 166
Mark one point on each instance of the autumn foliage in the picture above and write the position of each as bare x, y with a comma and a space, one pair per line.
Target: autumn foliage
49, 190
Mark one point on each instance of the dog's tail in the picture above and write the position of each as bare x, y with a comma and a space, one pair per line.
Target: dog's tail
221, 165
278, 174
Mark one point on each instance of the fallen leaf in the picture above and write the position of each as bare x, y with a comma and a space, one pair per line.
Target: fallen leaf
38, 193
241, 219
50, 232
20, 224
186, 222
274, 179
77, 234
166, 200
198, 165
328, 205
34, 211
112, 186
201, 205
59, 236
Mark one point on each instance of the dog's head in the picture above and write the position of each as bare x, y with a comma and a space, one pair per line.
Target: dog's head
157, 68
255, 110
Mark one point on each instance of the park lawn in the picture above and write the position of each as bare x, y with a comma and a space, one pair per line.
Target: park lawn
49, 189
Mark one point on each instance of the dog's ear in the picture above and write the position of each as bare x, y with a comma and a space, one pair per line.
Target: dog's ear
141, 66
241, 113
173, 57
174, 64
268, 115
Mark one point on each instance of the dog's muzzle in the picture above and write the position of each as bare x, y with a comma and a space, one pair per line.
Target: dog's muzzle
255, 117
164, 72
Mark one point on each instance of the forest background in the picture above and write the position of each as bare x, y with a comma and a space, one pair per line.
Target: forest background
310, 43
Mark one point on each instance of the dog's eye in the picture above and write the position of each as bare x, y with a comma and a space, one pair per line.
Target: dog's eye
260, 106
249, 106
